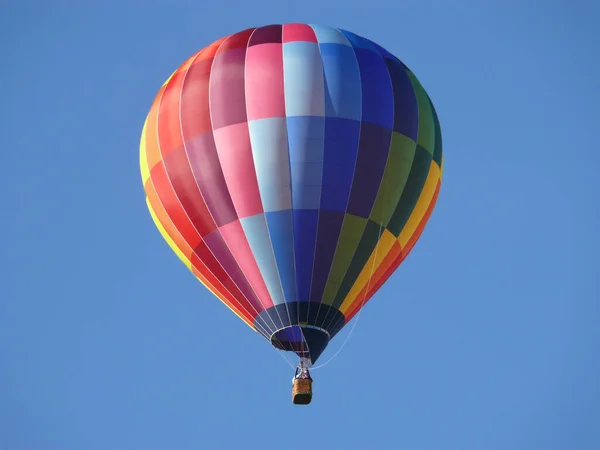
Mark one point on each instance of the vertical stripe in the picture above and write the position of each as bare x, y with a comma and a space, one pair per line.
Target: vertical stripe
328, 35
303, 78
206, 171
182, 179
304, 88
383, 248
264, 82
227, 91
281, 231
343, 95
269, 144
167, 197
238, 242
218, 247
257, 233
237, 162
206, 168
271, 160
422, 204
343, 100
306, 160
373, 150
298, 32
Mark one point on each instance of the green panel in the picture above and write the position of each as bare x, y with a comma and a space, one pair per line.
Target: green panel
412, 191
437, 151
364, 251
352, 230
426, 134
397, 169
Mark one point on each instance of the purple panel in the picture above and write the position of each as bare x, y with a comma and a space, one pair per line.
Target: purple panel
373, 149
328, 232
207, 170
219, 248
270, 34
227, 94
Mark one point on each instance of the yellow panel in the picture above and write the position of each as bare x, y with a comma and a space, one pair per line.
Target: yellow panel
143, 157
422, 204
383, 247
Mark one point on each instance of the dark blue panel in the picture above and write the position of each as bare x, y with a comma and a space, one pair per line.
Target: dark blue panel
373, 152
305, 236
280, 225
406, 109
299, 339
305, 140
340, 151
328, 232
377, 93
359, 41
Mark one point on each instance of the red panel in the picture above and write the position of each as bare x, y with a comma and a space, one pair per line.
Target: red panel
298, 32
227, 88
195, 109
185, 187
223, 295
165, 220
172, 206
210, 51
151, 135
235, 154
236, 41
169, 128
265, 96
205, 262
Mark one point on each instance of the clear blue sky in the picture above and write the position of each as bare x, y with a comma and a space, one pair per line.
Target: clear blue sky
486, 338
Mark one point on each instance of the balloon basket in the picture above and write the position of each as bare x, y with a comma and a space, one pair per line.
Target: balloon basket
302, 391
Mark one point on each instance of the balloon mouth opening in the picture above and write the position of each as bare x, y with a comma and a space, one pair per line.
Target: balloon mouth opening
307, 341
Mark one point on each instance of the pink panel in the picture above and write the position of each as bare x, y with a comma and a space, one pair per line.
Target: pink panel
298, 32
227, 99
264, 81
234, 235
235, 154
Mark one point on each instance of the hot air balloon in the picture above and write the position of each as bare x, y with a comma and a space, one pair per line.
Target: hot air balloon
292, 169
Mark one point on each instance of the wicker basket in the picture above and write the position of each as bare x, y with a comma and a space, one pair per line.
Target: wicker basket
302, 391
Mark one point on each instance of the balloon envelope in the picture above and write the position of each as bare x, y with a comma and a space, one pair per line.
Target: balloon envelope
292, 168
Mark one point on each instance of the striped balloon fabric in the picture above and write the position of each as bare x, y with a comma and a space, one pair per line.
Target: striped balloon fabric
292, 168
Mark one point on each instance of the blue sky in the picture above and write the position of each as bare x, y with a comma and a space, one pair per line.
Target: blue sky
486, 338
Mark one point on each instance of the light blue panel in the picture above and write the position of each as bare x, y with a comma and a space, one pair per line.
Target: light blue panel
303, 79
255, 228
306, 136
328, 35
281, 230
342, 82
269, 142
